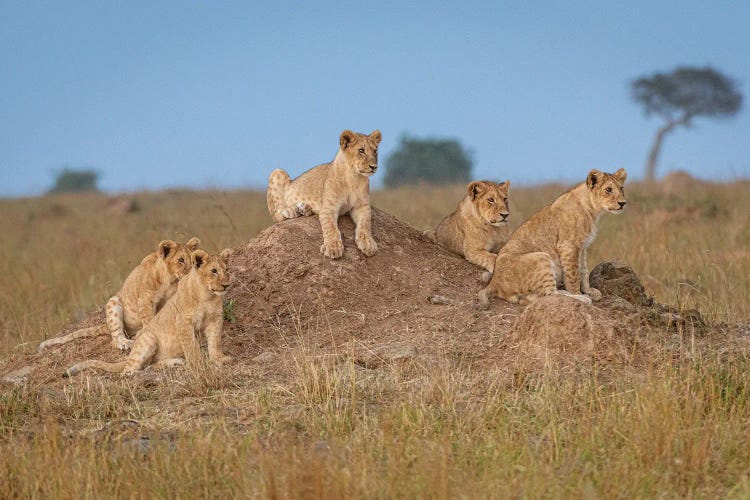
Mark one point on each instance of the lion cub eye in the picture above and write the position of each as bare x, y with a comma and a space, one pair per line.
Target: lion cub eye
491, 200
361, 151
214, 271
182, 260
505, 200
608, 190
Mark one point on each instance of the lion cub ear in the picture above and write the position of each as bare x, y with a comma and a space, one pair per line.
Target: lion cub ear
593, 178
225, 254
475, 189
166, 247
346, 138
504, 185
193, 243
621, 175
376, 136
199, 258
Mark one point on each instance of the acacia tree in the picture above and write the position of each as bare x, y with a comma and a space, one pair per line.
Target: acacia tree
679, 97
434, 161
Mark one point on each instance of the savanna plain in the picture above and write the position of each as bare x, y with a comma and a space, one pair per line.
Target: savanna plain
309, 427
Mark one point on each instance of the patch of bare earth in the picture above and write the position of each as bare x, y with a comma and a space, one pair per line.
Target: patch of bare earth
412, 303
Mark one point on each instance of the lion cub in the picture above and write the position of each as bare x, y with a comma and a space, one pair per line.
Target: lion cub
549, 250
479, 226
332, 189
146, 289
195, 308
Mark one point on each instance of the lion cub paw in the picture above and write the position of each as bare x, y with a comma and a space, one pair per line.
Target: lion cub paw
332, 250
122, 343
222, 360
486, 277
289, 213
304, 209
367, 245
594, 294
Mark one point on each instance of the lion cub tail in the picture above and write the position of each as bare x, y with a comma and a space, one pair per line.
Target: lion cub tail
94, 363
78, 334
278, 181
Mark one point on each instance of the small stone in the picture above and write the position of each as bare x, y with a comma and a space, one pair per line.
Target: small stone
322, 448
443, 300
398, 352
140, 445
264, 357
18, 377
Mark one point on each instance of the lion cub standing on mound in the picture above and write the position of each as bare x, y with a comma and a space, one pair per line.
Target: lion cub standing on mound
195, 308
332, 189
479, 226
549, 249
145, 291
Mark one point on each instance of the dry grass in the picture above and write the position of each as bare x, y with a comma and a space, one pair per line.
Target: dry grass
310, 427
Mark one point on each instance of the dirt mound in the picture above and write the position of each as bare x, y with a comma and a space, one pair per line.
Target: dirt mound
560, 332
410, 302
285, 284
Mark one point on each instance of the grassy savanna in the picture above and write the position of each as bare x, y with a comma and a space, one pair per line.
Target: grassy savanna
338, 430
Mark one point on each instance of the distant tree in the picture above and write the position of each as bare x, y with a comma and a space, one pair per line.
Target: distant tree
71, 180
435, 161
679, 97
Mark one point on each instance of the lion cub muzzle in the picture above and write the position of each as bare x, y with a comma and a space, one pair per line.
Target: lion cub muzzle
369, 170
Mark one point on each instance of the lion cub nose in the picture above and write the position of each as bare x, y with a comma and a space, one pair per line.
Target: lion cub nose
622, 203
504, 216
373, 168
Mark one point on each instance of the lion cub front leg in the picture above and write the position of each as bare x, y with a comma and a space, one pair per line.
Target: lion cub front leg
332, 247
143, 350
585, 286
191, 349
213, 331
362, 217
570, 256
482, 258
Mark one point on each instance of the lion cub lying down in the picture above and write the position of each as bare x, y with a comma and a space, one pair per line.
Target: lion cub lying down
549, 250
146, 289
195, 308
479, 226
332, 189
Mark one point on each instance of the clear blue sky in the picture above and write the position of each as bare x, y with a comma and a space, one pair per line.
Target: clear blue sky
217, 94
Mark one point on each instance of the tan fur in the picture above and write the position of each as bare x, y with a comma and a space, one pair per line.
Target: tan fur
196, 308
549, 250
145, 291
332, 189
478, 228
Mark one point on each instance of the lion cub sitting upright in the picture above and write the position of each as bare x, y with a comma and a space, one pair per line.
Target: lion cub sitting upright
549, 250
479, 226
195, 308
146, 289
332, 189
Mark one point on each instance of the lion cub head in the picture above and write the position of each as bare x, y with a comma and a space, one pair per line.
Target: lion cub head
490, 199
176, 256
607, 190
212, 270
361, 150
